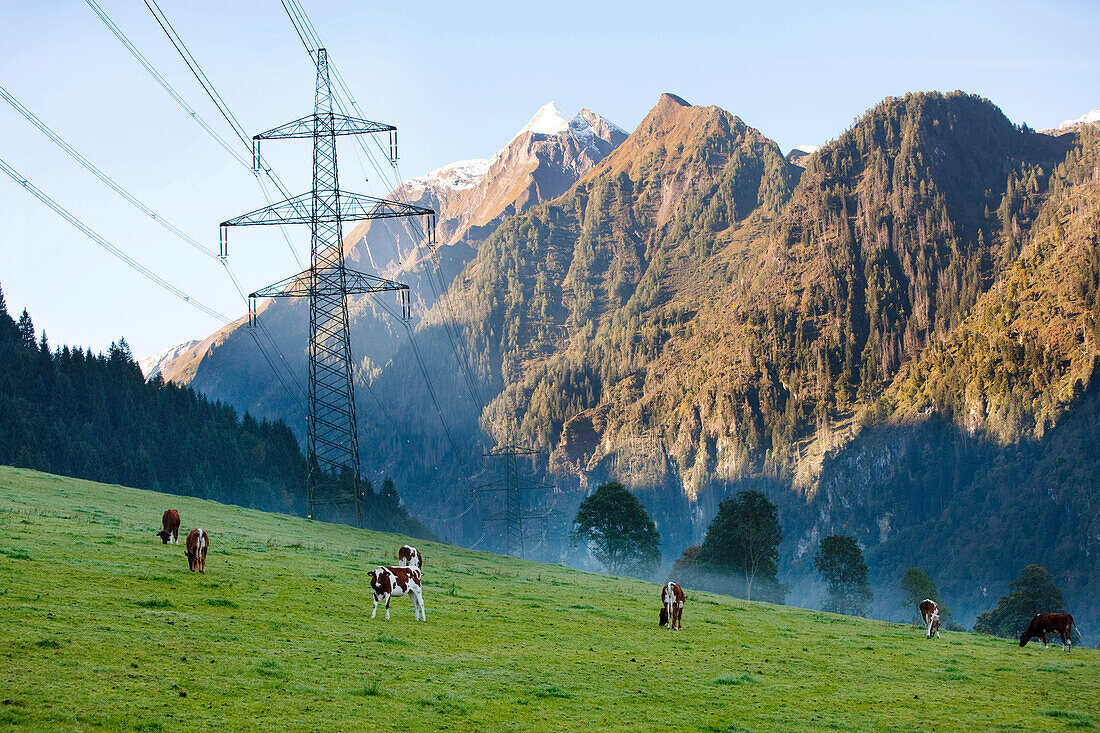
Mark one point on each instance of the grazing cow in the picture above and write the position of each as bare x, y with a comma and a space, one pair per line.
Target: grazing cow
198, 542
387, 581
409, 557
930, 615
1050, 623
672, 610
171, 523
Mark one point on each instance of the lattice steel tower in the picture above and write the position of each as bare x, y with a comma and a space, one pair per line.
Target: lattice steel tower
333, 451
517, 520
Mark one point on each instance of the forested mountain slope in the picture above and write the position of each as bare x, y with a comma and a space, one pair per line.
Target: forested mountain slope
696, 315
471, 199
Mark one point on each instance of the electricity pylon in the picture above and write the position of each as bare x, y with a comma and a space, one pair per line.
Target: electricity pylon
333, 451
516, 519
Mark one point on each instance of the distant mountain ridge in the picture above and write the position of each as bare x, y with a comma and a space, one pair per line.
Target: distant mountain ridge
470, 197
1089, 118
152, 365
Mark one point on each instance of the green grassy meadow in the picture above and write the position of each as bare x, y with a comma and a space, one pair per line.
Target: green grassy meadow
103, 628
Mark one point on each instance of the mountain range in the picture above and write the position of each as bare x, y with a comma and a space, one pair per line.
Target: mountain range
470, 199
893, 336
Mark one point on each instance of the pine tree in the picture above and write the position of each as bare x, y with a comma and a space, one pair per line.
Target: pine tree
26, 329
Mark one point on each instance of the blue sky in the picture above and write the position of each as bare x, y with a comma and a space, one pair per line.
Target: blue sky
458, 79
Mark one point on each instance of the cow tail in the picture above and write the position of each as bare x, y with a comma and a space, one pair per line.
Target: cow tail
1078, 630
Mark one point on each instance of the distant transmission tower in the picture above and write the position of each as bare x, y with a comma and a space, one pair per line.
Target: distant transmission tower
516, 519
333, 453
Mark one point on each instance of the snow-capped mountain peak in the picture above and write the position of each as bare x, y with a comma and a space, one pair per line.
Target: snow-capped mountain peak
458, 176
1089, 118
550, 119
152, 365
1085, 119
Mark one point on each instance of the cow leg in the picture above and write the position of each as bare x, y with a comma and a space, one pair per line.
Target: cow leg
375, 609
387, 606
418, 606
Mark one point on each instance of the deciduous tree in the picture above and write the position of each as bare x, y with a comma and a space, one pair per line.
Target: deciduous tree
743, 541
842, 567
1031, 593
917, 586
617, 529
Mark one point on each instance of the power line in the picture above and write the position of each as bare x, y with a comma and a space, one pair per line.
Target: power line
193, 65
178, 98
305, 30
136, 203
103, 177
102, 242
237, 129
111, 26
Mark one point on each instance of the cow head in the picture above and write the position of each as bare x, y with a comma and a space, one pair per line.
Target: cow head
164, 535
662, 619
380, 581
191, 560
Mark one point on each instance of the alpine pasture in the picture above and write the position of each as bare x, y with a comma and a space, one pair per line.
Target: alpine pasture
102, 627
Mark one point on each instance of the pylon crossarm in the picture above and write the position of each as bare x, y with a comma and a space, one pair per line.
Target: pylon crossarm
357, 283
341, 125
353, 206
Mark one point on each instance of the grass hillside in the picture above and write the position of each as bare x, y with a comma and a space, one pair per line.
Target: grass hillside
102, 627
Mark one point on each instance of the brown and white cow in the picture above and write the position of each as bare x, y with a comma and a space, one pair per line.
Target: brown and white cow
930, 616
409, 557
1050, 623
171, 524
198, 542
672, 608
390, 581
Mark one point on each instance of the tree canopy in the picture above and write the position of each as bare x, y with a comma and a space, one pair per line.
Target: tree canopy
743, 542
617, 529
918, 585
1032, 593
841, 565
